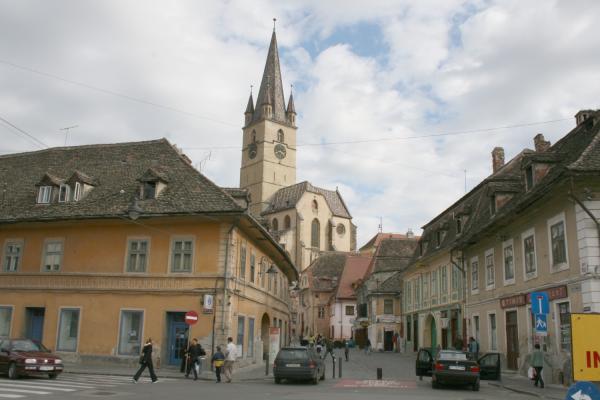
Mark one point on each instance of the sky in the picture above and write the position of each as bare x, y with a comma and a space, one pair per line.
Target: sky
399, 103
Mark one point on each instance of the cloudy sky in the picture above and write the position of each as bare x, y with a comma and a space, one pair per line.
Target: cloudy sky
418, 91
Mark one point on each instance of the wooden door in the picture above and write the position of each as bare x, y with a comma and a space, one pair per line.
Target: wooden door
512, 340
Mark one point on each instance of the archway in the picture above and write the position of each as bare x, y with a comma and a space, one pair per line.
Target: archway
265, 323
430, 333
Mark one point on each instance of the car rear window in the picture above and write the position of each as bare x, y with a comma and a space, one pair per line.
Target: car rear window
293, 354
452, 356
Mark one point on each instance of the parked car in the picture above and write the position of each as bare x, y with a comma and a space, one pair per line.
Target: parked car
456, 367
298, 363
21, 357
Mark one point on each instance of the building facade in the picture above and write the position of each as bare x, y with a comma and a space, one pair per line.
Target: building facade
106, 245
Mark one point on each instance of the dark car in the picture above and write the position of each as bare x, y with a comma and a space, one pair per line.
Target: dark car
21, 357
456, 367
298, 363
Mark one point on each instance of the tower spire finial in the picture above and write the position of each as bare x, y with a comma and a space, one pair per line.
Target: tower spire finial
274, 20
251, 86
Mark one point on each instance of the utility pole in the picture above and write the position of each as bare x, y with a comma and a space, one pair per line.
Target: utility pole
66, 130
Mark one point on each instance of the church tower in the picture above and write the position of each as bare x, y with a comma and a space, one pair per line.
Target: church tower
269, 137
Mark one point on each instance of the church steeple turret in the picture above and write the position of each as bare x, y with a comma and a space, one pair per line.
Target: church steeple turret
291, 110
249, 109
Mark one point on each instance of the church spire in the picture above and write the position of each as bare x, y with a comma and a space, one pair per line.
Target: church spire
271, 88
291, 109
249, 108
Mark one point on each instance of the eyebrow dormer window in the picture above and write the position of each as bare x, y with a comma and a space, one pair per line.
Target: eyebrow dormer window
149, 190
63, 193
44, 195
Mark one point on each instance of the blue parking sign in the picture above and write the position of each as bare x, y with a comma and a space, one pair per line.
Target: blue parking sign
540, 303
541, 324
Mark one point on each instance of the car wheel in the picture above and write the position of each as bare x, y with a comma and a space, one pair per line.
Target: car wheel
277, 381
476, 386
12, 371
52, 376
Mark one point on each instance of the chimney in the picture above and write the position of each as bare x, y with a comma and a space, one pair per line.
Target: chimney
410, 234
541, 145
497, 159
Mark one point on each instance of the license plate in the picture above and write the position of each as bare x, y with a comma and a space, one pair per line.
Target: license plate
44, 368
457, 367
292, 365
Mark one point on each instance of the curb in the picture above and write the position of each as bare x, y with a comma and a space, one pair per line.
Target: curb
181, 377
525, 392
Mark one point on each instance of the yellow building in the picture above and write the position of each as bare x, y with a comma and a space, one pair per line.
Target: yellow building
106, 245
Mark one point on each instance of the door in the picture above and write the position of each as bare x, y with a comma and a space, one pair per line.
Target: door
388, 341
178, 340
34, 323
489, 366
512, 340
415, 333
444, 338
454, 332
424, 363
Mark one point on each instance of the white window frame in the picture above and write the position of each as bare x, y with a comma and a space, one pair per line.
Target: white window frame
553, 221
505, 244
13, 242
44, 195
525, 235
12, 317
182, 239
127, 254
489, 326
67, 193
474, 260
45, 253
77, 192
58, 326
490, 252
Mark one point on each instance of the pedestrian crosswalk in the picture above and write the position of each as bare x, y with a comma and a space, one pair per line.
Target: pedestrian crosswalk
66, 383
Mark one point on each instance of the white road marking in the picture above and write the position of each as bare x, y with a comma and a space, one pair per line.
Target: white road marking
26, 385
11, 396
22, 391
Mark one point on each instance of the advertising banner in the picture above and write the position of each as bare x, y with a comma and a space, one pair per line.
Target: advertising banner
584, 344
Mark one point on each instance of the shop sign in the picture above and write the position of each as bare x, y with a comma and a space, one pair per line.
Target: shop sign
586, 354
513, 301
518, 300
554, 293
208, 302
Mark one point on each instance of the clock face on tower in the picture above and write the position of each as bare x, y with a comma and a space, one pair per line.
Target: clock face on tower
279, 151
252, 150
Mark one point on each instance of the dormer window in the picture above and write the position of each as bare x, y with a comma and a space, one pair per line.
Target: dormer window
438, 238
77, 192
44, 194
529, 177
149, 190
63, 193
153, 182
458, 225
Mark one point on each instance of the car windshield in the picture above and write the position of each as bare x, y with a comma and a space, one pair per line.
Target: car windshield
27, 345
452, 355
293, 354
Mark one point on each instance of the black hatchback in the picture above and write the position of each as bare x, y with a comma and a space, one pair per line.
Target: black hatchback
298, 363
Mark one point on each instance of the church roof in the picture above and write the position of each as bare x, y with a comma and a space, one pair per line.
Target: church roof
271, 87
289, 196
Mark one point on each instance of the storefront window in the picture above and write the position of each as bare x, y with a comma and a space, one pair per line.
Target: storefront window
564, 320
68, 330
5, 320
130, 335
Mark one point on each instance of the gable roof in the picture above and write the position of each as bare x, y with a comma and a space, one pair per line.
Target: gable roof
115, 169
324, 272
379, 236
288, 197
393, 254
354, 269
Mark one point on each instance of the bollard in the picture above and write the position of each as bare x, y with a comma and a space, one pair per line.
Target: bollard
340, 368
379, 373
267, 365
333, 358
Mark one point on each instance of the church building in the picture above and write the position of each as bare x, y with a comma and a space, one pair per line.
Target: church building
304, 219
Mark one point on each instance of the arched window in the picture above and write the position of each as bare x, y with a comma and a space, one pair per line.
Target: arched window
253, 136
315, 234
275, 224
315, 205
287, 223
280, 136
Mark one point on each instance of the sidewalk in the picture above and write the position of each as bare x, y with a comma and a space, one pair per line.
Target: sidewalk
521, 384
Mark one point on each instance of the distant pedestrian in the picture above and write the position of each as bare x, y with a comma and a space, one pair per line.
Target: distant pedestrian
230, 357
329, 348
368, 346
474, 348
218, 359
394, 342
146, 361
347, 350
537, 362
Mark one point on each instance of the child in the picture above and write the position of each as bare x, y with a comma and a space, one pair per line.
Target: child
218, 359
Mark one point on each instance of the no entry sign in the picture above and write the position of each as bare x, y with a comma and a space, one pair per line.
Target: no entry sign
191, 317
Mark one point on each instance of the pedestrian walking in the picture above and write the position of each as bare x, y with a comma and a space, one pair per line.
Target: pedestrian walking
329, 348
368, 346
146, 361
347, 350
194, 353
217, 360
230, 356
474, 348
537, 362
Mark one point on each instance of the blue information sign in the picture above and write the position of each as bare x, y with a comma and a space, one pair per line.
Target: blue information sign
583, 391
540, 303
541, 324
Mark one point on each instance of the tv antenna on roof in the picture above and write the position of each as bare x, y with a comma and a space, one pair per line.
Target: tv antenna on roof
66, 130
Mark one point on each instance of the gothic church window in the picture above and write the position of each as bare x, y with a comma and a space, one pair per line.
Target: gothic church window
253, 136
280, 136
315, 233
287, 222
315, 205
275, 224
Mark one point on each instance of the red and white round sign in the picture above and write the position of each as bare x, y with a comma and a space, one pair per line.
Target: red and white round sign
191, 317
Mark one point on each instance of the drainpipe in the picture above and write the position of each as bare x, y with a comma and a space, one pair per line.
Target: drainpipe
464, 308
225, 277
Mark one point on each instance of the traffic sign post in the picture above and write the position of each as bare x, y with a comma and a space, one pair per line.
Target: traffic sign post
540, 303
541, 325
